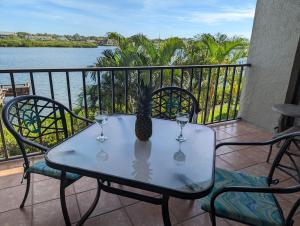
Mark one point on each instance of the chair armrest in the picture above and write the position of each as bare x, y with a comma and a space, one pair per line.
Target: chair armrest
81, 118
78, 117
260, 143
33, 144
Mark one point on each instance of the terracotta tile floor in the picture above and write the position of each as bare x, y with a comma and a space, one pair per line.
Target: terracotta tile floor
43, 205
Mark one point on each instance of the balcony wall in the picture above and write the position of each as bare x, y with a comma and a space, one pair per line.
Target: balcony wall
273, 46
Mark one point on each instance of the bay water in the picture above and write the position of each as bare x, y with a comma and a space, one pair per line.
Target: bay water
11, 58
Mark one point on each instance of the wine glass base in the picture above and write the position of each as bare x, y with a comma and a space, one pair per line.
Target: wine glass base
102, 138
102, 155
180, 139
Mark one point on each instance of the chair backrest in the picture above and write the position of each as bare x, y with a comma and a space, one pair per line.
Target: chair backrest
287, 160
38, 122
168, 101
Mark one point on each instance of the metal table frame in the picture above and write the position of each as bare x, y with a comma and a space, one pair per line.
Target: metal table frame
102, 179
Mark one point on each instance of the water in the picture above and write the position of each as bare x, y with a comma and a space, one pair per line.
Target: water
50, 58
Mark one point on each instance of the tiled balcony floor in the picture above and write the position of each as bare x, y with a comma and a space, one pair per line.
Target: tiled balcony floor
43, 204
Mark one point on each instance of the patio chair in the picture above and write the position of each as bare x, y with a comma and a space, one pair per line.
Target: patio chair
37, 123
168, 101
249, 199
286, 111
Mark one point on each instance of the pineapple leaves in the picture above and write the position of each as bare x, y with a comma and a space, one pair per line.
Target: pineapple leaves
144, 98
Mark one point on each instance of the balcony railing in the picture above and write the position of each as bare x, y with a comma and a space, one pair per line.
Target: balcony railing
217, 89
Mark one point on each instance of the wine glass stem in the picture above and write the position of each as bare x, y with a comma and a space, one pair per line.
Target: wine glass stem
101, 130
181, 131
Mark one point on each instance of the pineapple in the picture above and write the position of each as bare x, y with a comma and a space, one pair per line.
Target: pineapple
143, 123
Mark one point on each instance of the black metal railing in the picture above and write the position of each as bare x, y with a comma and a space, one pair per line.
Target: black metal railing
217, 89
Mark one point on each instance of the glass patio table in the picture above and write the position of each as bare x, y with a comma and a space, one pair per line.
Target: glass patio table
286, 110
161, 165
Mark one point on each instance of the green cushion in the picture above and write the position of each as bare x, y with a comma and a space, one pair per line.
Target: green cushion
41, 167
250, 208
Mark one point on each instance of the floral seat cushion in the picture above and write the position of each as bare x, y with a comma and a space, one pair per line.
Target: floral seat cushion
250, 208
41, 167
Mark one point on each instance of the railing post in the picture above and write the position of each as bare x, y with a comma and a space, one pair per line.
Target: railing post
113, 91
32, 83
215, 95
230, 94
13, 85
238, 92
207, 96
126, 91
181, 78
99, 90
199, 89
223, 93
84, 94
53, 98
69, 99
172, 76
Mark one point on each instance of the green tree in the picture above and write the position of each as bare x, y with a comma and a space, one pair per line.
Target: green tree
138, 50
215, 49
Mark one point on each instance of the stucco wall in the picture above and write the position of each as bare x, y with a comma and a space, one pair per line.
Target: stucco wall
275, 36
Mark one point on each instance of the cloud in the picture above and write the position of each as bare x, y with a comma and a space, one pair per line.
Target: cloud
161, 5
225, 15
87, 6
152, 17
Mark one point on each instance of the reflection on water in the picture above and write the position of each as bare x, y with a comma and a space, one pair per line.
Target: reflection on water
141, 166
102, 155
179, 156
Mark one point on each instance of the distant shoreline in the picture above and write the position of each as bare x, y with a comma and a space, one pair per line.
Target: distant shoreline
55, 46
18, 42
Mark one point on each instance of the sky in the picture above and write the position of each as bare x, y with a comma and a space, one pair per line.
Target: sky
154, 18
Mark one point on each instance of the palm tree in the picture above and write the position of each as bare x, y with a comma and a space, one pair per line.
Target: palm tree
221, 49
138, 50
218, 49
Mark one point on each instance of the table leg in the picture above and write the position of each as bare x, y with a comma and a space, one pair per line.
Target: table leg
63, 198
92, 207
165, 210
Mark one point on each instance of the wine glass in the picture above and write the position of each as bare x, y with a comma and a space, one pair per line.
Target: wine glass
179, 156
101, 117
182, 119
102, 155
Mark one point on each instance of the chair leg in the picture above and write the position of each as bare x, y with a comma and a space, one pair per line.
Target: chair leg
296, 144
270, 152
212, 219
92, 207
63, 198
165, 211
27, 190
